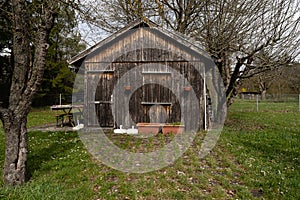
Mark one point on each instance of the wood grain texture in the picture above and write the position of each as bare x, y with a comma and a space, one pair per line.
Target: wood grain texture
164, 66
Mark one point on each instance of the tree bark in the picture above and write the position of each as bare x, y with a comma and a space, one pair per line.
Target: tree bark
14, 117
27, 76
14, 171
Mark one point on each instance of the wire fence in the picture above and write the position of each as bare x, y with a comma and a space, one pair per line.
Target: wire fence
271, 102
245, 102
56, 99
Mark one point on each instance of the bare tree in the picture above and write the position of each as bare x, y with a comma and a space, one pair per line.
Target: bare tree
27, 74
238, 34
249, 37
264, 81
282, 80
32, 22
179, 15
111, 15
292, 76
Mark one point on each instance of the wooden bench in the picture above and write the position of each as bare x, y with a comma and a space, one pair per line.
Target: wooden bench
69, 119
60, 118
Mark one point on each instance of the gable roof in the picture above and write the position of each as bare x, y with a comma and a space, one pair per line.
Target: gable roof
184, 40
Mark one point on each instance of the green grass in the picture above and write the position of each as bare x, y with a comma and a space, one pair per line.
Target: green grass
265, 106
41, 116
257, 156
266, 144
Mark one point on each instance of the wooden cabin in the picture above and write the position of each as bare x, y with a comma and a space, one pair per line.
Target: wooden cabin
143, 73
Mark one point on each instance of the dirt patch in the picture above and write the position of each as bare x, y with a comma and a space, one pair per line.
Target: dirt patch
239, 125
257, 192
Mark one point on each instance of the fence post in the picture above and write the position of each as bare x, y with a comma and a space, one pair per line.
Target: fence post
60, 99
299, 102
257, 103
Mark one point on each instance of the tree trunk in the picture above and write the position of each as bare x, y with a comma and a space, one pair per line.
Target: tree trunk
262, 88
14, 171
14, 117
27, 76
263, 95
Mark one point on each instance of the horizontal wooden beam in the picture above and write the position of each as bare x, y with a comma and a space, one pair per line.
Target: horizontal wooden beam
100, 102
100, 71
156, 103
157, 72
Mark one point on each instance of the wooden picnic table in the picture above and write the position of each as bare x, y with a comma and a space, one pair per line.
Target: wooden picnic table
68, 117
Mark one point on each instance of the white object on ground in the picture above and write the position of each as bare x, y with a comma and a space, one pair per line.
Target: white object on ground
132, 131
120, 130
78, 127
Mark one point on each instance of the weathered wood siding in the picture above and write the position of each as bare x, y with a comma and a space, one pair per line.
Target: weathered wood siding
157, 61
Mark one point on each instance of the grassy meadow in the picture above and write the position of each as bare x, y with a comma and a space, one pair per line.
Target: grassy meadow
256, 157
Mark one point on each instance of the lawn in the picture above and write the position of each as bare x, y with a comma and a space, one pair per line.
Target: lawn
257, 156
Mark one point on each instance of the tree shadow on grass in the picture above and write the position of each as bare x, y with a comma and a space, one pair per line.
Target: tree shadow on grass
42, 157
275, 152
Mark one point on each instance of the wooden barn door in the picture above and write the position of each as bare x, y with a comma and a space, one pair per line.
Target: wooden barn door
156, 99
103, 99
